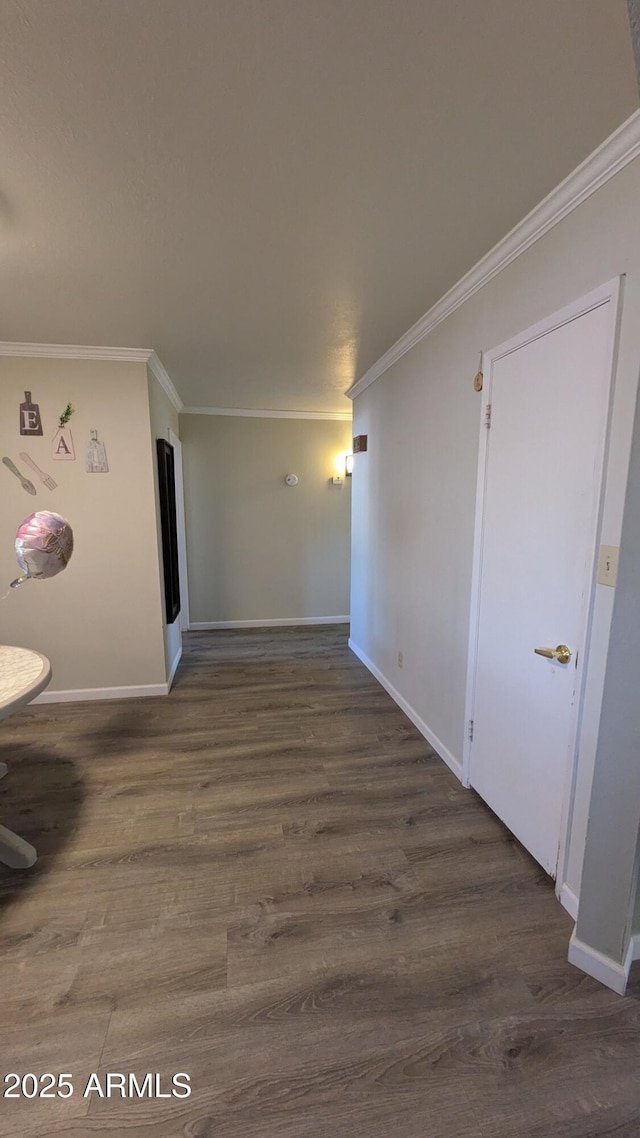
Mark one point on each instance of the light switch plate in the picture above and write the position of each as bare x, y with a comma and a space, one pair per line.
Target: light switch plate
608, 565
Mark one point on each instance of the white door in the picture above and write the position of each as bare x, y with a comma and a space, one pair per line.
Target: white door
539, 493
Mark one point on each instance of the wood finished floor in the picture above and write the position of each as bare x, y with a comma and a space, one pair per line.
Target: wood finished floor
267, 880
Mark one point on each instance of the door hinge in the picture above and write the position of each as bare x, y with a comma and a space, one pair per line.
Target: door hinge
487, 416
470, 731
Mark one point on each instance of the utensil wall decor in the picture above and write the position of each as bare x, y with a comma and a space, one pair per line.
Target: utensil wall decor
96, 456
24, 482
42, 475
30, 421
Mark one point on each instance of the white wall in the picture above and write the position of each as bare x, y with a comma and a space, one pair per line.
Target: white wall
258, 549
414, 490
263, 551
100, 620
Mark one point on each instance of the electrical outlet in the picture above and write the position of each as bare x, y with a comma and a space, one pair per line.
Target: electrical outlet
400, 660
608, 565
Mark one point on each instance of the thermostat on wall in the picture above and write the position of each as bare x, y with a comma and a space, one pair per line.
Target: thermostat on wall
291, 479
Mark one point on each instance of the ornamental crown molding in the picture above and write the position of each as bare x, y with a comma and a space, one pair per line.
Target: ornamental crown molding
90, 352
616, 152
76, 352
161, 374
265, 413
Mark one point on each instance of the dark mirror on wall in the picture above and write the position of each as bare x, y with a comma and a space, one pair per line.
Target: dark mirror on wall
167, 492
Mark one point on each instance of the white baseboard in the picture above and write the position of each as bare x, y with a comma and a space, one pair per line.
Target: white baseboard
569, 901
176, 660
77, 695
603, 968
202, 625
454, 764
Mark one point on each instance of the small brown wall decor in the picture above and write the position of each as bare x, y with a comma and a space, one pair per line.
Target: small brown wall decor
167, 493
30, 421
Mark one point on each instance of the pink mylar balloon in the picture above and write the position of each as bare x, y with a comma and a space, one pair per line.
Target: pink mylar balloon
44, 544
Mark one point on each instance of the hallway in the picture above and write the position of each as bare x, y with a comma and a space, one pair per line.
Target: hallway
268, 881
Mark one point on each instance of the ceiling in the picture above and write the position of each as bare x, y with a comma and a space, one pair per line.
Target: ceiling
270, 192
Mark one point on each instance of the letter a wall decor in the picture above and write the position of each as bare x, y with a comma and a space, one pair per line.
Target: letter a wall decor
62, 443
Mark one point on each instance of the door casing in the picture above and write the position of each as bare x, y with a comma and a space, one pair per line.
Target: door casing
182, 534
590, 645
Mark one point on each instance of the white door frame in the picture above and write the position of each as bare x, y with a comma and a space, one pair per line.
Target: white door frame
181, 532
609, 293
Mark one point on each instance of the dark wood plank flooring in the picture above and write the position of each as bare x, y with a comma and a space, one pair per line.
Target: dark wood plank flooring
267, 880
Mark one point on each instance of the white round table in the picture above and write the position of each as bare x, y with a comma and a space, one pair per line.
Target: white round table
23, 675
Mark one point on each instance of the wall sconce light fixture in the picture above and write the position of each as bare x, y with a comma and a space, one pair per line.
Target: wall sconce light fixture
348, 465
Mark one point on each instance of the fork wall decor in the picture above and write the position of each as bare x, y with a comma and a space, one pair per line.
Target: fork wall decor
45, 478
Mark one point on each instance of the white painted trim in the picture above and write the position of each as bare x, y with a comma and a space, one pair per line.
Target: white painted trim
603, 968
90, 352
609, 159
569, 901
339, 416
77, 695
603, 294
423, 728
609, 293
277, 622
476, 576
176, 660
76, 352
159, 372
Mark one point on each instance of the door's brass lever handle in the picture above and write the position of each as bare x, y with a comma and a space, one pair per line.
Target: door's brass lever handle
562, 654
